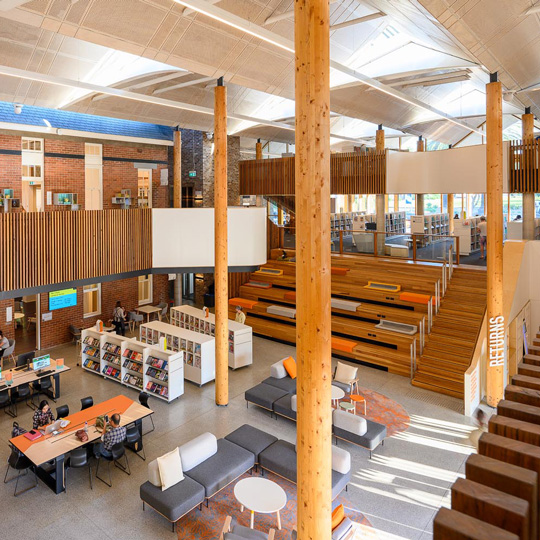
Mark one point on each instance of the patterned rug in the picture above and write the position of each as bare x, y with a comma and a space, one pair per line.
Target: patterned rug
207, 524
382, 410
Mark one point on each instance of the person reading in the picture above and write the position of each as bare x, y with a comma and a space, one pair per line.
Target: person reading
113, 435
43, 415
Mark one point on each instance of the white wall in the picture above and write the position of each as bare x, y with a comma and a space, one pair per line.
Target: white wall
457, 170
184, 237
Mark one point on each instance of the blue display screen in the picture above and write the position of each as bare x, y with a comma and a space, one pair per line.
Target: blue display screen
62, 299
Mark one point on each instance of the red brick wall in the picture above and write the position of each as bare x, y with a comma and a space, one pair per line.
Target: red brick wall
7, 328
10, 166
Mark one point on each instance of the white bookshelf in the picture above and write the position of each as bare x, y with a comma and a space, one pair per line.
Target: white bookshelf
111, 355
199, 349
514, 230
469, 237
164, 373
240, 335
429, 224
395, 222
132, 359
91, 350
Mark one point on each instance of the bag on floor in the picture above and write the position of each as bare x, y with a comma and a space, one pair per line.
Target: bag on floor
17, 430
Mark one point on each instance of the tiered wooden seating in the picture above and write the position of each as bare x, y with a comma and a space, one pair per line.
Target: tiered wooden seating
530, 370
454, 334
515, 429
526, 382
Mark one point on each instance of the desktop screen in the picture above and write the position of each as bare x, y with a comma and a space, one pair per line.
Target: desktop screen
41, 362
62, 299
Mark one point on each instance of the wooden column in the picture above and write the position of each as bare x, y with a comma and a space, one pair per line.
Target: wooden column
420, 147
221, 277
450, 205
527, 126
258, 149
177, 202
313, 343
381, 200
496, 323
396, 202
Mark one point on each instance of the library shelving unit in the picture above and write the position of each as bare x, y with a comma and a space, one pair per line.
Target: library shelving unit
240, 335
396, 223
469, 237
438, 224
515, 230
164, 373
133, 363
199, 349
111, 355
91, 350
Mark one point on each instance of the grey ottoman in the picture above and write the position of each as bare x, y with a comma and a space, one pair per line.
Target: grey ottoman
252, 439
287, 384
374, 436
283, 407
280, 458
264, 395
174, 502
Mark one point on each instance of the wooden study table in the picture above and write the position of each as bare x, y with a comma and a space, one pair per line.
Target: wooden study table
53, 448
148, 310
23, 375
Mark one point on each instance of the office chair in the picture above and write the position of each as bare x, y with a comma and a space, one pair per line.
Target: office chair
20, 463
143, 400
5, 401
23, 391
62, 411
42, 386
87, 402
78, 458
118, 451
24, 359
8, 352
134, 441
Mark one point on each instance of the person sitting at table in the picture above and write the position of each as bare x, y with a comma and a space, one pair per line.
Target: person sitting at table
4, 343
119, 319
114, 435
43, 415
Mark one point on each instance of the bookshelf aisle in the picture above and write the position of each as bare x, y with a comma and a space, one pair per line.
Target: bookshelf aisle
198, 349
240, 335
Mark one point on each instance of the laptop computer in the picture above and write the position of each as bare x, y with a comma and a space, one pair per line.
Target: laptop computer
53, 428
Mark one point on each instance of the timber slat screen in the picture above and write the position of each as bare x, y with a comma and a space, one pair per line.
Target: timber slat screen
350, 173
524, 162
42, 248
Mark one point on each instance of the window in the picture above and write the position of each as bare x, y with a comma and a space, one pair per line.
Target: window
32, 145
92, 300
145, 289
31, 171
93, 188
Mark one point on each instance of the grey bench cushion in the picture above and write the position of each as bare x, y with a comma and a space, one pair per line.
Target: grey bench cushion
375, 434
222, 468
252, 439
287, 384
248, 534
174, 502
283, 406
264, 395
339, 482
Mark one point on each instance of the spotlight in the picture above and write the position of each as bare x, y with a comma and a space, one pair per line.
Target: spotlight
17, 107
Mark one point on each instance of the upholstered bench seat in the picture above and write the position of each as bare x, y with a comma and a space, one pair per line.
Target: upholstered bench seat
358, 430
345, 305
287, 384
264, 395
246, 303
282, 311
284, 407
252, 439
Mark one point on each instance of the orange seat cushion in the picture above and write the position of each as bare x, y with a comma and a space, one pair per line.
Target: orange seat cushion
337, 271
338, 515
290, 366
243, 302
345, 345
290, 295
416, 298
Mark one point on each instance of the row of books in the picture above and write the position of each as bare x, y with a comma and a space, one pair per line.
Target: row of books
174, 343
133, 355
111, 372
157, 374
133, 366
133, 380
157, 389
193, 360
89, 340
91, 351
111, 358
203, 327
157, 362
90, 364
110, 347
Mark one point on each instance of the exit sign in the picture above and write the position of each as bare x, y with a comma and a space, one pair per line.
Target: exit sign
192, 174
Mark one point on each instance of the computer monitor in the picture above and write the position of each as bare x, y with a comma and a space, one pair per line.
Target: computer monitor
371, 226
41, 362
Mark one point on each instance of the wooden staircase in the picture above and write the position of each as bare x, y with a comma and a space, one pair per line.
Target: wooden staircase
449, 350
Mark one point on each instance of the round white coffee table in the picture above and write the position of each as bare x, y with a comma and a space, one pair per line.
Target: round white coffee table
337, 394
260, 495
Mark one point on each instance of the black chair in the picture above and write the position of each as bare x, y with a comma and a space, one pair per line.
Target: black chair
42, 386
62, 411
5, 401
23, 391
77, 459
87, 402
24, 359
118, 451
134, 441
143, 400
20, 463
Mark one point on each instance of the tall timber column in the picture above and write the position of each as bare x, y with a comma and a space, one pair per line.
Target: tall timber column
259, 155
450, 208
177, 201
380, 201
496, 324
221, 277
313, 332
527, 123
420, 147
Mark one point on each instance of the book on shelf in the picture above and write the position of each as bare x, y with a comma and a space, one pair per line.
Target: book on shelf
91, 351
89, 340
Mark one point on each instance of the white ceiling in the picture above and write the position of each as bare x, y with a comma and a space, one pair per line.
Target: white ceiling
417, 42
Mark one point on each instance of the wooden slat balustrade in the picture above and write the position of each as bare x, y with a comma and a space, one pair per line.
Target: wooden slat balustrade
524, 164
350, 173
44, 248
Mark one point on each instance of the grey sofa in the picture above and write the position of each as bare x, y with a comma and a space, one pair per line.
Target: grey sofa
208, 465
358, 430
252, 439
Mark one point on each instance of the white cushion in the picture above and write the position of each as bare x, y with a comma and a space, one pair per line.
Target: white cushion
349, 422
341, 460
345, 373
153, 473
278, 370
293, 403
197, 450
170, 469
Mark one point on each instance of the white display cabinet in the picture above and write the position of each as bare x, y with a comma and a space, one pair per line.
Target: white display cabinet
469, 237
240, 335
164, 373
91, 350
199, 349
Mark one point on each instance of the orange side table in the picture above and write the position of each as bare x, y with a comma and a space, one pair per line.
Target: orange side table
359, 399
